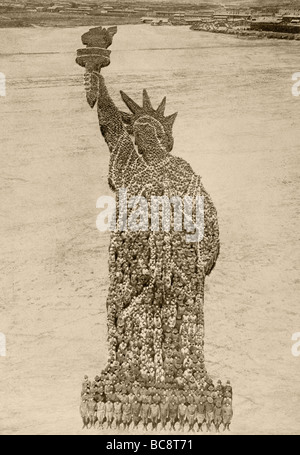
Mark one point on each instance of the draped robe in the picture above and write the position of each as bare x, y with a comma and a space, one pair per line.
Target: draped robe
156, 295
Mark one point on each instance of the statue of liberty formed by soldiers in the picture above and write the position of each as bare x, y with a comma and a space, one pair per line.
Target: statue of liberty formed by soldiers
156, 294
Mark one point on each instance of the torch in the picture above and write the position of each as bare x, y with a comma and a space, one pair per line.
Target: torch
94, 57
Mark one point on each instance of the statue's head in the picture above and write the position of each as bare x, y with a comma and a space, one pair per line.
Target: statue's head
152, 131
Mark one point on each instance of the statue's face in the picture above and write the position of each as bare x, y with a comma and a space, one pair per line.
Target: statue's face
150, 138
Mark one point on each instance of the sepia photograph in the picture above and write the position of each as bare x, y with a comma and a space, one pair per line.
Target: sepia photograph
149, 232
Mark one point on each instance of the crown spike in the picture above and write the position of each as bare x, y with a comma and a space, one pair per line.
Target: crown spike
147, 110
169, 121
132, 105
161, 108
146, 101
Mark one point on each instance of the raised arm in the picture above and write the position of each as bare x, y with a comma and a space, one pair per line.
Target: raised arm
93, 58
110, 121
125, 161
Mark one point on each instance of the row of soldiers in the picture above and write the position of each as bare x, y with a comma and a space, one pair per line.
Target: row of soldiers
210, 406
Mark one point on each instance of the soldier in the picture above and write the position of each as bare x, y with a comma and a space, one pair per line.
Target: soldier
100, 391
164, 412
123, 397
182, 413
136, 408
169, 393
190, 398
201, 412
118, 390
107, 387
228, 389
218, 414
143, 395
145, 409
136, 389
92, 411
86, 385
207, 383
111, 395
131, 397
209, 412
156, 398
124, 387
196, 397
101, 414
173, 413
126, 408
152, 374
154, 414
219, 387
179, 379
227, 413
109, 413
191, 415
118, 412
84, 411
151, 389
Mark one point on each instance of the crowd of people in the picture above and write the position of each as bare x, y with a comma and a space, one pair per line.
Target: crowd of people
155, 375
106, 403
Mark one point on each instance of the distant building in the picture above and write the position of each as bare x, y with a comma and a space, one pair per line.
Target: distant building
179, 15
83, 8
160, 21
132, 12
291, 18
192, 19
206, 14
165, 13
17, 6
232, 15
267, 19
147, 19
221, 16
274, 24
55, 8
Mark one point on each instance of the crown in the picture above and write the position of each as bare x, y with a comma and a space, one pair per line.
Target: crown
147, 109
